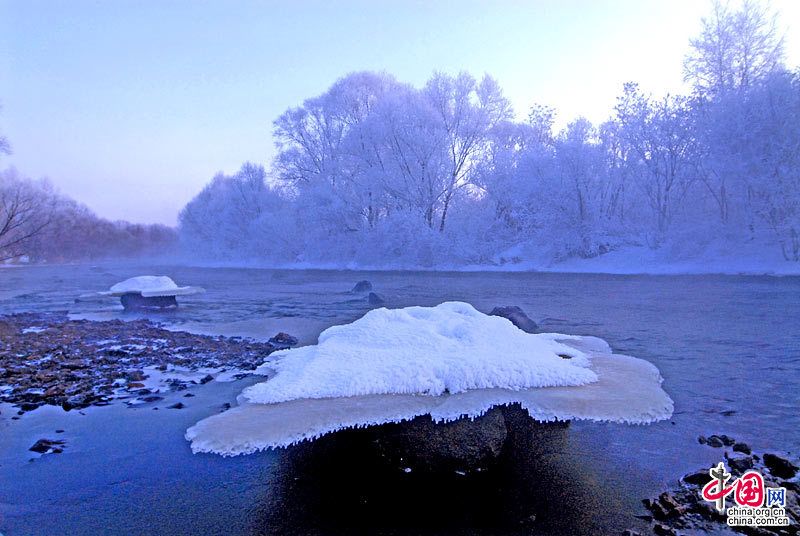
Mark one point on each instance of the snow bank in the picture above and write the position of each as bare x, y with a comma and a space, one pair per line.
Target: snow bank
422, 350
447, 361
150, 286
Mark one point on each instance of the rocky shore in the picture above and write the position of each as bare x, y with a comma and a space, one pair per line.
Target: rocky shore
682, 509
46, 358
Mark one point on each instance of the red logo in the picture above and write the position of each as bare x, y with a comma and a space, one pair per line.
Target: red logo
747, 490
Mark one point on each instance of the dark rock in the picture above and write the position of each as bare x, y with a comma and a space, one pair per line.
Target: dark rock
424, 445
714, 441
59, 431
727, 441
779, 466
177, 405
744, 448
283, 340
362, 286
188, 395
517, 317
375, 299
740, 464
207, 378
137, 301
663, 530
702, 440
135, 375
29, 406
629, 532
152, 398
700, 478
43, 446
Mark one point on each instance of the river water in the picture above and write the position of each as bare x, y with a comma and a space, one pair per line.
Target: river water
728, 348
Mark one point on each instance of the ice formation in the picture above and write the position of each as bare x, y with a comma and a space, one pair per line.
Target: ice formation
447, 361
149, 286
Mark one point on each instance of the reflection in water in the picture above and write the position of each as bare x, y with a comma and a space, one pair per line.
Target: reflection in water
341, 484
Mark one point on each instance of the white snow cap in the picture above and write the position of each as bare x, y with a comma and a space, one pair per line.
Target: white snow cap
447, 361
149, 286
422, 350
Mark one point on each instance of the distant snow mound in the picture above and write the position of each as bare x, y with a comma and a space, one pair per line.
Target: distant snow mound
150, 286
449, 348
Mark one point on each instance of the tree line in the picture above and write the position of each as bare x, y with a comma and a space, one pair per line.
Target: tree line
377, 172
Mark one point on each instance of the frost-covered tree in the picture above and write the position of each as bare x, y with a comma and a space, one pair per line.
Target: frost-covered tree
735, 49
658, 135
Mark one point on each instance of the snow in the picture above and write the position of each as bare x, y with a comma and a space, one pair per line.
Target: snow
422, 350
628, 391
448, 362
149, 286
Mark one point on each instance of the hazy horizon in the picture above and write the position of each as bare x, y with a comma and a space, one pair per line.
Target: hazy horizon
131, 108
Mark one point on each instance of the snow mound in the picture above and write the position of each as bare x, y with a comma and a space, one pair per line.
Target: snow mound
150, 286
628, 391
450, 348
448, 362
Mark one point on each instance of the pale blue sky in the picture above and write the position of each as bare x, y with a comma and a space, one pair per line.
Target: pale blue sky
132, 106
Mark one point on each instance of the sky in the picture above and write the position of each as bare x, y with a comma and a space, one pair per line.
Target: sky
132, 106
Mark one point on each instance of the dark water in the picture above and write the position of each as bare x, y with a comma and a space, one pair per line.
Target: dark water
727, 346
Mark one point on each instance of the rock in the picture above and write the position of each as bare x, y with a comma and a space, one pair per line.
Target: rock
517, 317
703, 440
663, 530
137, 301
740, 464
744, 448
7, 329
375, 299
362, 286
135, 385
700, 478
727, 441
177, 405
630, 532
135, 375
207, 378
424, 445
283, 340
152, 398
188, 395
43, 446
714, 441
779, 466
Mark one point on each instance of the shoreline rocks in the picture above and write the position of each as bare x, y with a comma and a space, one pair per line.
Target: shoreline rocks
682, 508
80, 363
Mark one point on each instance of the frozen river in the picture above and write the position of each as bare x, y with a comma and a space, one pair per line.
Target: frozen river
727, 346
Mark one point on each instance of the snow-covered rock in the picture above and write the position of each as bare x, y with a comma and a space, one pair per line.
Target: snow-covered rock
448, 362
150, 286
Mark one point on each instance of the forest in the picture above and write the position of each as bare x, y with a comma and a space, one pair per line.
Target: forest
377, 173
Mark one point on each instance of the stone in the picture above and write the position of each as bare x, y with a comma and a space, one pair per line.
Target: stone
744, 448
700, 478
779, 466
714, 441
177, 405
283, 340
663, 530
740, 464
517, 317
207, 378
137, 301
43, 446
375, 299
362, 286
424, 445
